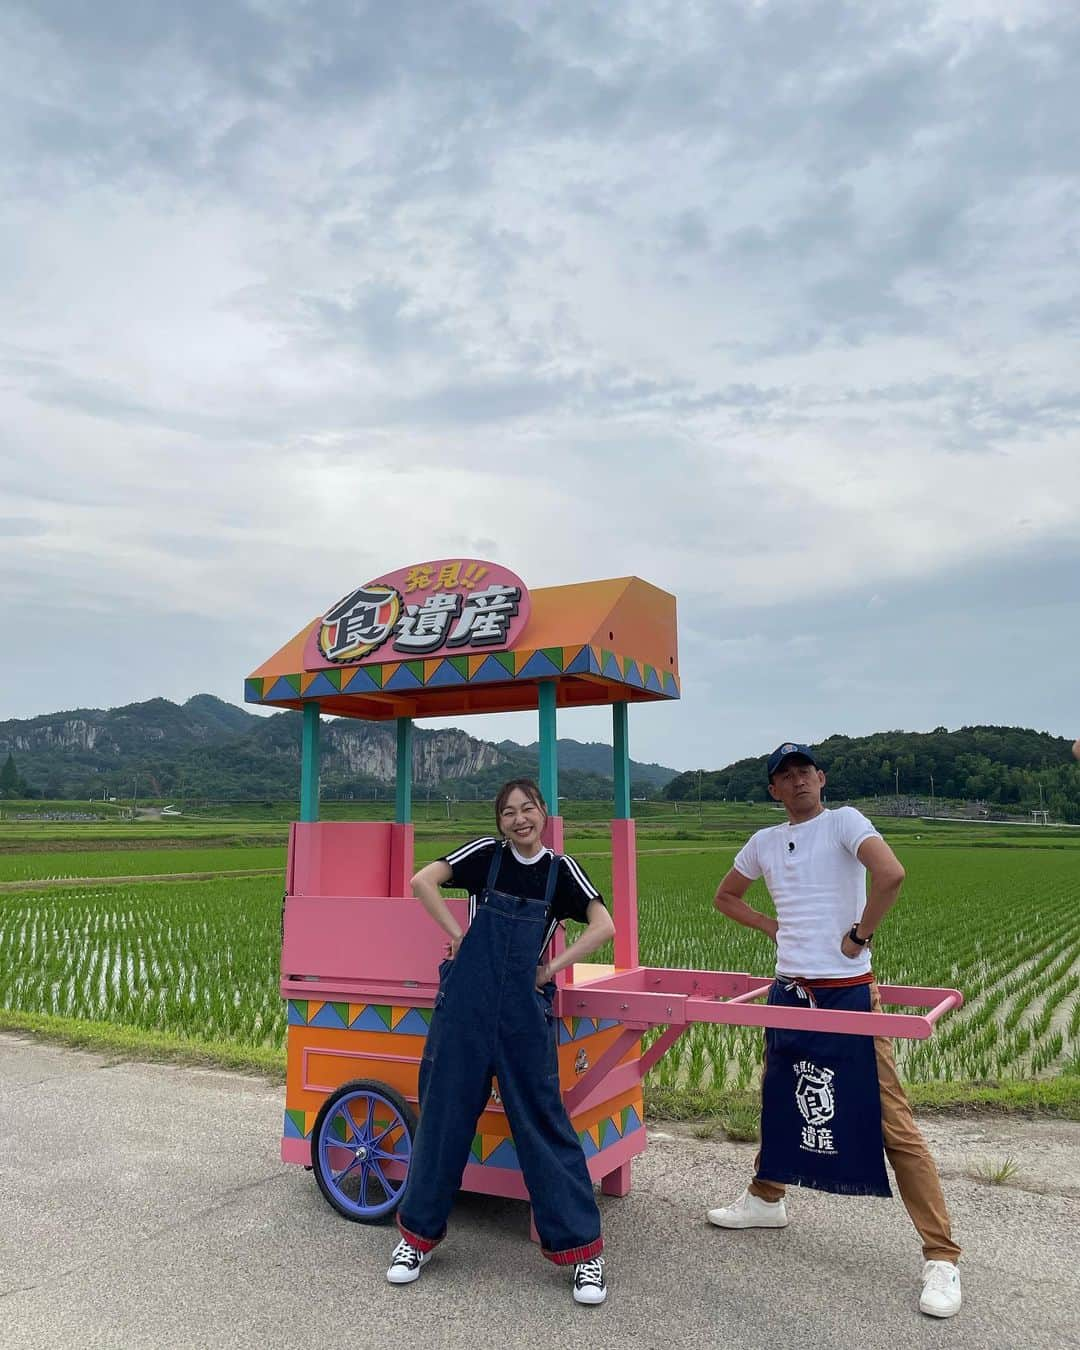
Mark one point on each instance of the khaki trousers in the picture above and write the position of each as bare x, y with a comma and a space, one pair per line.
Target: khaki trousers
916, 1175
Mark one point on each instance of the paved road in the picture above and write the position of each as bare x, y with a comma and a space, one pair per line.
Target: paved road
145, 1206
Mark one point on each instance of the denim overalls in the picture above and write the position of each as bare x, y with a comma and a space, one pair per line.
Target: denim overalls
490, 1018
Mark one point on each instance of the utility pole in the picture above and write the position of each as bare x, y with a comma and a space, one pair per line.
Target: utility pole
134, 796
932, 795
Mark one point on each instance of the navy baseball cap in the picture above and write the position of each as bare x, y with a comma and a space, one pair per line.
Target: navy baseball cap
786, 751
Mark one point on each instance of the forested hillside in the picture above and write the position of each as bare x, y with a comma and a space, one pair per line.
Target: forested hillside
1009, 768
207, 748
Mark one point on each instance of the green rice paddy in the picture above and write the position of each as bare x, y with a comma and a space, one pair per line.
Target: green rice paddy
993, 912
77, 864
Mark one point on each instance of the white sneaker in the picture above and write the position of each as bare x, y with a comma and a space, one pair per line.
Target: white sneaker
940, 1289
406, 1262
750, 1211
589, 1283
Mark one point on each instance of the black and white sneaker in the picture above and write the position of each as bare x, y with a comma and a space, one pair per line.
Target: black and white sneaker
589, 1285
406, 1262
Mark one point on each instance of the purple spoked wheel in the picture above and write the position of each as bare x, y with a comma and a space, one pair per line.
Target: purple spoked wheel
361, 1147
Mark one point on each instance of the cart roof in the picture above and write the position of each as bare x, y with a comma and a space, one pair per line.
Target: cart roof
600, 641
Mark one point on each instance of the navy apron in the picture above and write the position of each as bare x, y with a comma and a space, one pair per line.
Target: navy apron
820, 1099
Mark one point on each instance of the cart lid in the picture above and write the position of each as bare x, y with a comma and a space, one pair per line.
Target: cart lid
599, 641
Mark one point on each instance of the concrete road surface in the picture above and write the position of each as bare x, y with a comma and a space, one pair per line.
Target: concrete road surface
145, 1205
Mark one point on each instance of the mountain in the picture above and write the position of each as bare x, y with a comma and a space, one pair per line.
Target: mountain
1013, 768
209, 748
78, 752
216, 712
594, 757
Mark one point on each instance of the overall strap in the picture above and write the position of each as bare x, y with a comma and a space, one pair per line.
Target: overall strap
493, 870
552, 878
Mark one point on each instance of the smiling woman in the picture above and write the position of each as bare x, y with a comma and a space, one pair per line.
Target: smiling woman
494, 1015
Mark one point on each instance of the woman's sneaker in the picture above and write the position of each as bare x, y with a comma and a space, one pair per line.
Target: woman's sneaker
405, 1263
589, 1285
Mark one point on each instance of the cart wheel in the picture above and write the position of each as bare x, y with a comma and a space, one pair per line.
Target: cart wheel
361, 1148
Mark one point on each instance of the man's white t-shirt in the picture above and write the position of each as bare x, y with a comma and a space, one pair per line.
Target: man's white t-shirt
818, 887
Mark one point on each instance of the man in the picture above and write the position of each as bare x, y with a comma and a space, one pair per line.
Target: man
815, 867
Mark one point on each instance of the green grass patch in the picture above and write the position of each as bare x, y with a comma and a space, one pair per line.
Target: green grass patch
67, 864
125, 1042
738, 1114
1039, 1097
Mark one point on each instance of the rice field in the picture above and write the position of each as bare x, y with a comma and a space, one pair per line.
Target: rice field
71, 864
1001, 926
199, 959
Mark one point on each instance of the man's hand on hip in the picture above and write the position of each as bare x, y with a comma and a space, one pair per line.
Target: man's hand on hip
850, 949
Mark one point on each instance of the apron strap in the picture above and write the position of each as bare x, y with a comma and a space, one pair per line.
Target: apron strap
552, 878
493, 870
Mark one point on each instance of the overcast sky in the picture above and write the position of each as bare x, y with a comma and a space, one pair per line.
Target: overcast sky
775, 305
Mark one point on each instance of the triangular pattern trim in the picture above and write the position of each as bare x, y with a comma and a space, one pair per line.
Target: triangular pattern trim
412, 1024
539, 664
359, 680
445, 674
504, 1156
368, 1019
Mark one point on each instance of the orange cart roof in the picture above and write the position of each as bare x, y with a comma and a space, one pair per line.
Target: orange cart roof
601, 641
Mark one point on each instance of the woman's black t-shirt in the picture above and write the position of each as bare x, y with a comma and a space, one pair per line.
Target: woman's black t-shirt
526, 877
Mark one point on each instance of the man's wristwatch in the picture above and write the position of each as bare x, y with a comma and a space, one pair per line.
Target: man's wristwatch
853, 934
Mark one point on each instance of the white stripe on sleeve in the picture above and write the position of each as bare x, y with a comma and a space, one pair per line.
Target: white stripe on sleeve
460, 854
582, 880
547, 938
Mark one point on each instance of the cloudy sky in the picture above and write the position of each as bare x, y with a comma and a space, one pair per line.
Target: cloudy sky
774, 303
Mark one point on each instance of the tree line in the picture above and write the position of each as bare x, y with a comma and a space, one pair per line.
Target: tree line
1012, 769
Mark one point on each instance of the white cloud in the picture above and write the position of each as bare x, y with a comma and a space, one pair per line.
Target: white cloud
772, 306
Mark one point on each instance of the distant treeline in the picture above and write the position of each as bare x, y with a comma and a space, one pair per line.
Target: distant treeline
1009, 768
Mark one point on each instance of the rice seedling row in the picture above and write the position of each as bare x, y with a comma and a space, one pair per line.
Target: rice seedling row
200, 959
62, 866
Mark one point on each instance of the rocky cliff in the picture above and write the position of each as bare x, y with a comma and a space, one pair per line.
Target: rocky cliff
209, 748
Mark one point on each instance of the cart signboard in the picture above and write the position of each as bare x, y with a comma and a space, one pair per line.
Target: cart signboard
448, 607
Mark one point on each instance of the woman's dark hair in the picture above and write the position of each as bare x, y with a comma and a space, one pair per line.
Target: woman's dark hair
530, 790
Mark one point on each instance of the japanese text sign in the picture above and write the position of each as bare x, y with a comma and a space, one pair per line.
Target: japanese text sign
451, 607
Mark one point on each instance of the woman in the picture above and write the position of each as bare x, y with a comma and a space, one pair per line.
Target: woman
493, 1016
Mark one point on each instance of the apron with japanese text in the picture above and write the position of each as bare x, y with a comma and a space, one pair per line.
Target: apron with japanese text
820, 1100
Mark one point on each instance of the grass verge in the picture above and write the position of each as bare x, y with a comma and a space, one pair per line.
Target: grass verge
110, 1038
735, 1114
